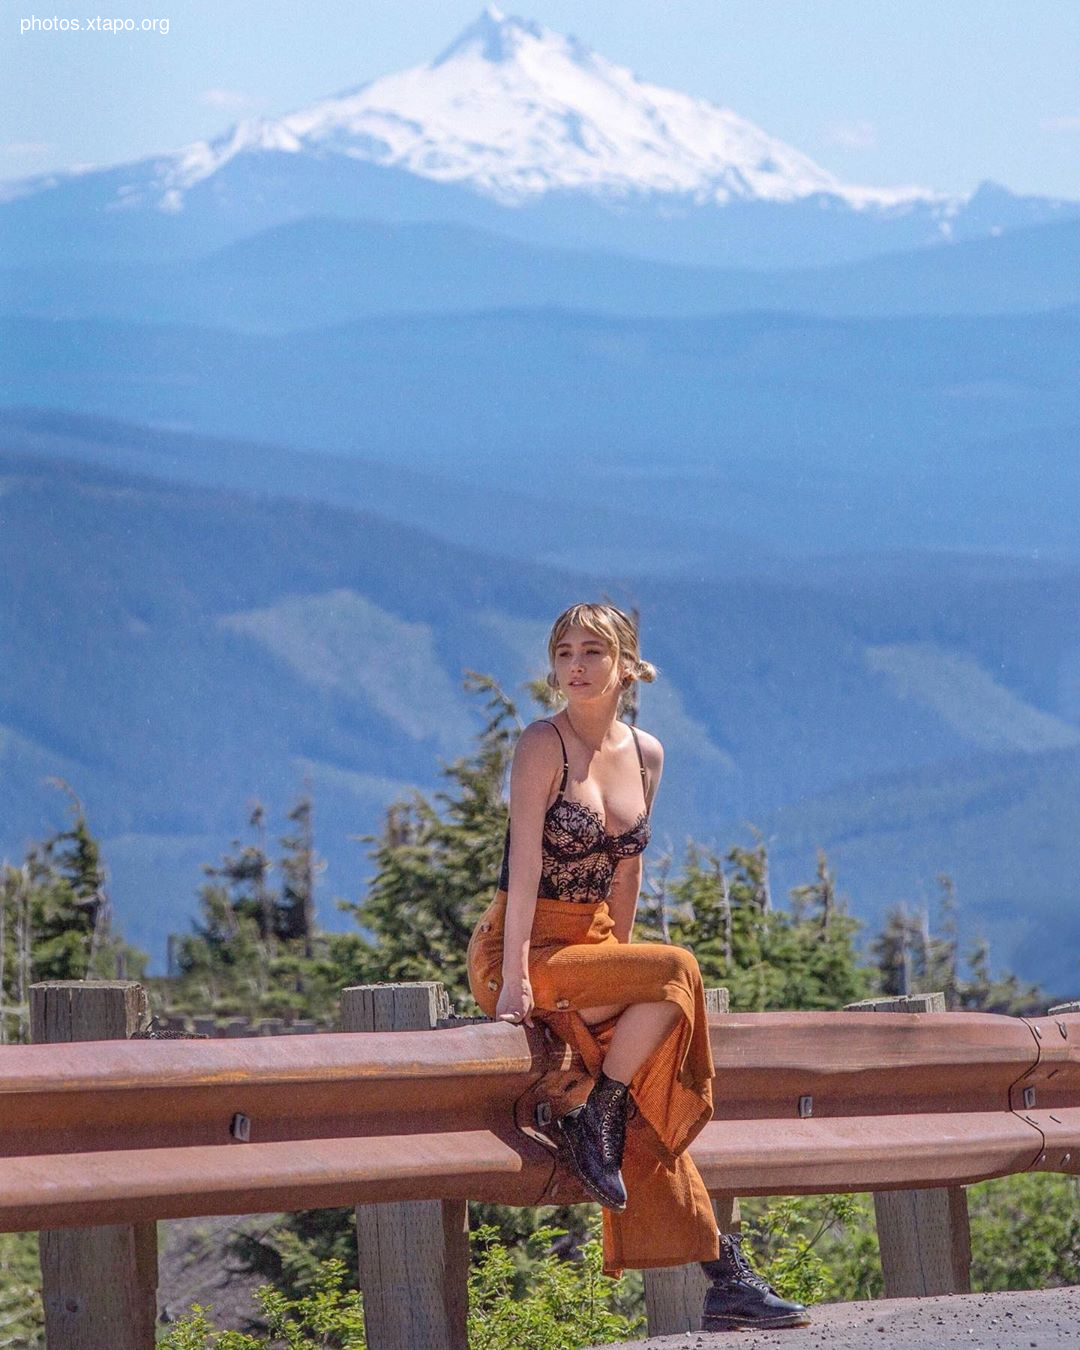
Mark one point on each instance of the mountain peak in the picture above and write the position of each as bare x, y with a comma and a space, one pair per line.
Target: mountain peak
496, 37
514, 111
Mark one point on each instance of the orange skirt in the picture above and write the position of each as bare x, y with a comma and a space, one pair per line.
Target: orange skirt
576, 961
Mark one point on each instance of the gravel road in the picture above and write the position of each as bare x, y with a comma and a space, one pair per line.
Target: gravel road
1047, 1319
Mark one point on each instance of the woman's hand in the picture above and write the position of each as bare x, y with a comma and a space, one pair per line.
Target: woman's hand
515, 1001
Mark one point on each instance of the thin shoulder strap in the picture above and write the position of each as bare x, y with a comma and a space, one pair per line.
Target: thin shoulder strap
641, 761
565, 761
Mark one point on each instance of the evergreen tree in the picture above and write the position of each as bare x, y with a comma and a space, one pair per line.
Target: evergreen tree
436, 863
55, 921
225, 961
299, 868
254, 950
939, 960
912, 958
722, 909
1006, 993
892, 953
69, 909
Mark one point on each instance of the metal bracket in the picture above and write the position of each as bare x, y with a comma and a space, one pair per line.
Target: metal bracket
542, 1115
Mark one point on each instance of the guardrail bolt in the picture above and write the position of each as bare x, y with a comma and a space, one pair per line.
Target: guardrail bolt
241, 1128
1029, 1098
806, 1107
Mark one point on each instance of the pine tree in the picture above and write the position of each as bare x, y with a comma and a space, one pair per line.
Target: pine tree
891, 950
255, 950
940, 960
55, 920
299, 868
223, 965
825, 971
436, 863
722, 909
69, 909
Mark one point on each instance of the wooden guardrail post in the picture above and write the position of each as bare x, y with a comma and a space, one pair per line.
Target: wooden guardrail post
413, 1254
674, 1295
923, 1235
99, 1285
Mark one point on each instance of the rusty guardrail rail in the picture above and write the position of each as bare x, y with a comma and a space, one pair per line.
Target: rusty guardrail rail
825, 1102
120, 1131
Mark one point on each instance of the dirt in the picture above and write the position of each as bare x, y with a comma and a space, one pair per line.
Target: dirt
195, 1266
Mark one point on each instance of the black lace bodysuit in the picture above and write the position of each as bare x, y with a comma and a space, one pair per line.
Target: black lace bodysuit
578, 856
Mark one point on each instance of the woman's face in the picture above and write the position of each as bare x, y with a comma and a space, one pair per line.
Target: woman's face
585, 665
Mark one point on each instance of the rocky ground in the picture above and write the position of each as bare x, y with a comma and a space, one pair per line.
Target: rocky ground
195, 1266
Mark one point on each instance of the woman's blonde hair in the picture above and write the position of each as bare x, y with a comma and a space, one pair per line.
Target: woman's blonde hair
616, 630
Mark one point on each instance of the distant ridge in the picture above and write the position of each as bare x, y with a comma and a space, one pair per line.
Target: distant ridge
318, 271
173, 651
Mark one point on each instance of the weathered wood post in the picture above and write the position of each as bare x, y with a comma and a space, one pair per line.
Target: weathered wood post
924, 1235
674, 1295
99, 1285
414, 1254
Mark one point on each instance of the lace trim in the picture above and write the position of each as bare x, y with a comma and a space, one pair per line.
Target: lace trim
579, 854
576, 831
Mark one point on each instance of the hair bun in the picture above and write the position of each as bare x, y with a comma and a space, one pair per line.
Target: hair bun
646, 671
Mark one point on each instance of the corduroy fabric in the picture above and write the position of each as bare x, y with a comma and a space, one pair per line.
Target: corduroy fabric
576, 961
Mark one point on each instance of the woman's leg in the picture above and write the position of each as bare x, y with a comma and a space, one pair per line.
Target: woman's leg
595, 1133
640, 1029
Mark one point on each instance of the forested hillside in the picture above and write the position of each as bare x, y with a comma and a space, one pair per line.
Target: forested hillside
173, 652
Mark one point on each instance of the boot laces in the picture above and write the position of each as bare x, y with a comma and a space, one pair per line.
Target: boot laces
610, 1137
611, 1126
745, 1272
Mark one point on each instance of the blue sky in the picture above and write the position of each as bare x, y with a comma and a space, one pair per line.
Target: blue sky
943, 93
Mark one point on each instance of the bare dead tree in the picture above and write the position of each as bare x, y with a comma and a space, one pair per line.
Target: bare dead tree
725, 905
23, 948
6, 887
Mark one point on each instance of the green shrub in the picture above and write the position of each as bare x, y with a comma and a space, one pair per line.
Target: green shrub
1025, 1232
816, 1248
22, 1322
568, 1304
327, 1318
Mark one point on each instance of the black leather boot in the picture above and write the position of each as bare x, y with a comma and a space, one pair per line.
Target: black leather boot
739, 1297
593, 1136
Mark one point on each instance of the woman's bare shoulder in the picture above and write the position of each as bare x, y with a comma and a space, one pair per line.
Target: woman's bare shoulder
652, 749
540, 741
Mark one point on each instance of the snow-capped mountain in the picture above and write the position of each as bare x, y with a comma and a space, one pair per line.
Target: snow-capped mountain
514, 129
515, 111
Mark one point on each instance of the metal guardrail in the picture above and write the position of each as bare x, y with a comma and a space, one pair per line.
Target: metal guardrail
826, 1102
120, 1131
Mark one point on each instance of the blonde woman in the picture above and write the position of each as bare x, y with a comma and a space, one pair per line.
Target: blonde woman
555, 945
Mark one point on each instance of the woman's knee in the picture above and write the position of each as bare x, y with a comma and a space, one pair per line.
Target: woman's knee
679, 963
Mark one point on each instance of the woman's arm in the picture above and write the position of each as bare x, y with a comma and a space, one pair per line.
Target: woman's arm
626, 883
537, 762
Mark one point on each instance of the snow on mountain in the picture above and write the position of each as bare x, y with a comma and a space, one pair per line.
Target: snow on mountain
514, 111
